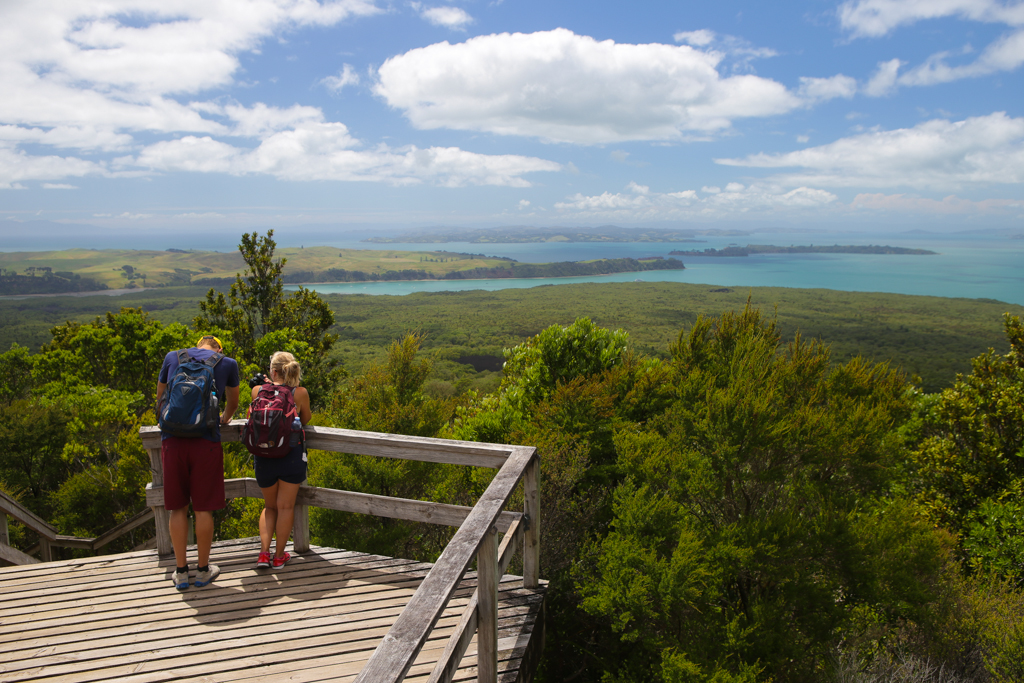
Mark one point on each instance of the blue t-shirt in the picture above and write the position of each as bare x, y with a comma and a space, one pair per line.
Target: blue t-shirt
225, 374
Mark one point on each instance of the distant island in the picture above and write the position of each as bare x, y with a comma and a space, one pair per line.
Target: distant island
810, 249
520, 234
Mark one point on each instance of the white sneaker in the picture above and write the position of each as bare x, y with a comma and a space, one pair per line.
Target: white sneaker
204, 578
180, 579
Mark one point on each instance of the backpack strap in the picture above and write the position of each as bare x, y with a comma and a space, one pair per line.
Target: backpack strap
214, 359
183, 356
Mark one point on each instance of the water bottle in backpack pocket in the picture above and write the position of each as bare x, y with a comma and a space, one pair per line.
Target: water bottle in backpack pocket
270, 426
189, 407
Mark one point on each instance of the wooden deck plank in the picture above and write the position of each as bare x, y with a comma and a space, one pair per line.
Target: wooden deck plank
117, 618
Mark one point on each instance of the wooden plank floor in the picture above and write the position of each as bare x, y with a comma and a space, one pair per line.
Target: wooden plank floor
118, 618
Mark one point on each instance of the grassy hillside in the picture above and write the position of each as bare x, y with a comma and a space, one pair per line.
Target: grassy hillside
118, 268
931, 337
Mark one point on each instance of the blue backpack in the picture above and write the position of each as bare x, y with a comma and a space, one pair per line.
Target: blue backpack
189, 407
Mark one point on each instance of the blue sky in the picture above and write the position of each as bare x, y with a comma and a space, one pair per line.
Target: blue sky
148, 116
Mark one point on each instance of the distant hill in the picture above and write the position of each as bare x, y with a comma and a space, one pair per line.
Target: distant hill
810, 249
520, 234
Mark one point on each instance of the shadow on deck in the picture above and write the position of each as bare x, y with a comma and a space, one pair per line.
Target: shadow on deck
118, 618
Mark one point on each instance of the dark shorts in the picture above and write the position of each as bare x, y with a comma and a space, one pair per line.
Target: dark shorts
290, 469
193, 470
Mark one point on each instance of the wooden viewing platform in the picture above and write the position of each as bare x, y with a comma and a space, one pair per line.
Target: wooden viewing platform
329, 615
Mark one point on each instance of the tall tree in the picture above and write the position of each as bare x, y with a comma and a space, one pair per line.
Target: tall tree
752, 524
259, 319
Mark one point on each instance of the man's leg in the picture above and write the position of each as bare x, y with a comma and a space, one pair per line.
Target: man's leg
204, 536
178, 527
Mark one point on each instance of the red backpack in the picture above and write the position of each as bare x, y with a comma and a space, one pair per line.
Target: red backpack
270, 425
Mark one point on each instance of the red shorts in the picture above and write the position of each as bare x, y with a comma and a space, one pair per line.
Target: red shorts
193, 469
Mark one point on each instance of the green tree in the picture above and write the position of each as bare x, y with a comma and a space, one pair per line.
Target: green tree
387, 398
15, 374
969, 464
753, 524
122, 351
256, 308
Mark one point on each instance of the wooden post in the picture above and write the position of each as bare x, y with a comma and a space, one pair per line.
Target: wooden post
45, 550
5, 536
487, 608
300, 528
531, 508
161, 516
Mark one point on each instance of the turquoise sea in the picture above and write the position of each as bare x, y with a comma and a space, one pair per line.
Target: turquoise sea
976, 267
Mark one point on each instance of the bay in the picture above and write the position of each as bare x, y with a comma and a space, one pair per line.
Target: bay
965, 266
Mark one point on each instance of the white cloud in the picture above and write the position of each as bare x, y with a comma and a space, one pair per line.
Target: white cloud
348, 76
822, 89
326, 151
873, 18
701, 38
935, 155
1005, 54
559, 86
16, 166
91, 76
449, 17
883, 81
59, 186
736, 200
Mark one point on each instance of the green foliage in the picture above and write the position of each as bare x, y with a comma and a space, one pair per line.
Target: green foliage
15, 374
559, 354
751, 526
33, 433
256, 307
388, 398
122, 351
969, 464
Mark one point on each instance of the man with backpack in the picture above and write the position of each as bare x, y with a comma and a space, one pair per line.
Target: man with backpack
193, 384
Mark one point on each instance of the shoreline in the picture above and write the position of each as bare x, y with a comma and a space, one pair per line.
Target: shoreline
99, 292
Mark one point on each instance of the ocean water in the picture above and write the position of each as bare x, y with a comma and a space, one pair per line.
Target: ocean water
975, 267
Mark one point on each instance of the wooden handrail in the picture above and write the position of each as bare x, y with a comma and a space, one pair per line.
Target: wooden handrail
475, 538
48, 535
391, 660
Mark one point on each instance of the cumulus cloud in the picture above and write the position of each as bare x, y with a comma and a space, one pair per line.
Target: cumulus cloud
935, 155
16, 166
449, 17
348, 76
326, 151
91, 76
638, 203
558, 86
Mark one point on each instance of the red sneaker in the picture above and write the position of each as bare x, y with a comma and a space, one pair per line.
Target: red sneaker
264, 561
280, 561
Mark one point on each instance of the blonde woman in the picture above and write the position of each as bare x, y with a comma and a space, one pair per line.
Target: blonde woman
280, 478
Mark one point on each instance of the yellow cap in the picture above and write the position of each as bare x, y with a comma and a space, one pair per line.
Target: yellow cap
209, 336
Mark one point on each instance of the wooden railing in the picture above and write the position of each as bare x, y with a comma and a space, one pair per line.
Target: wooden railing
476, 537
48, 536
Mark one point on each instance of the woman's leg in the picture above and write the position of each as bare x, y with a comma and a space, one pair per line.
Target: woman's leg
286, 494
268, 518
